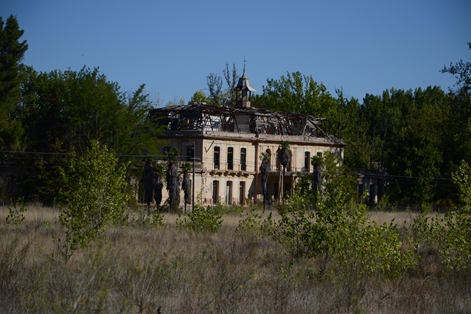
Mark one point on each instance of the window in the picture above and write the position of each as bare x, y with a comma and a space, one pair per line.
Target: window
229, 192
217, 151
215, 192
243, 159
230, 158
190, 153
242, 192
307, 161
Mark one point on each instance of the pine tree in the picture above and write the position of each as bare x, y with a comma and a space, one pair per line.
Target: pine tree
11, 54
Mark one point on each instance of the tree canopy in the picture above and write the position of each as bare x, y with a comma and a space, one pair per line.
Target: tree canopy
64, 112
12, 51
417, 136
67, 110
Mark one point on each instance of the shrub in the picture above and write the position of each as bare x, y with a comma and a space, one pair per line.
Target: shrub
143, 220
95, 196
201, 219
450, 233
339, 233
252, 222
15, 214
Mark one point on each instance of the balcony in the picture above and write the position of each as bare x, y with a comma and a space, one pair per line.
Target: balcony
230, 169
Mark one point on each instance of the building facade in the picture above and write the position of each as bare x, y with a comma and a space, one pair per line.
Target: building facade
226, 145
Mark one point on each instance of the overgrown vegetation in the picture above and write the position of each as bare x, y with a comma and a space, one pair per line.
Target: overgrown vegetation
235, 269
207, 220
318, 252
94, 197
16, 213
298, 259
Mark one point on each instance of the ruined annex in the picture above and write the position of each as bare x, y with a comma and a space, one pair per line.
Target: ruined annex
225, 144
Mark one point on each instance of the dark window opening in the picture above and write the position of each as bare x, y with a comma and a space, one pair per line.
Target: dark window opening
307, 161
229, 192
230, 158
216, 157
242, 193
215, 192
243, 165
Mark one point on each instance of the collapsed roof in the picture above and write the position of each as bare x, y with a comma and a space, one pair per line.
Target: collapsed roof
202, 117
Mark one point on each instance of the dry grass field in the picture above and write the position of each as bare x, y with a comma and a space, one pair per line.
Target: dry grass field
136, 269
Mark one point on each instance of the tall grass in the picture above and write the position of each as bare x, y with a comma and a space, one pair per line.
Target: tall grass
166, 270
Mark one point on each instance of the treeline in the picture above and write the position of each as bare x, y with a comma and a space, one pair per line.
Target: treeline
418, 137
44, 117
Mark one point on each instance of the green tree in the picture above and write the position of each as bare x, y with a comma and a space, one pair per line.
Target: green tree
218, 96
457, 131
93, 194
297, 93
415, 153
339, 232
66, 111
198, 96
214, 82
180, 102
384, 118
351, 124
462, 72
12, 51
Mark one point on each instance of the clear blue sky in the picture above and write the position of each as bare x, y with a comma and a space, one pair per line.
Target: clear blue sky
171, 46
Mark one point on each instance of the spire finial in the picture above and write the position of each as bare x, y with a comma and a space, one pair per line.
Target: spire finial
245, 61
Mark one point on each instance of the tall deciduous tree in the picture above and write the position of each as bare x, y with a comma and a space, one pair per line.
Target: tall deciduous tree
94, 196
462, 72
12, 51
199, 96
219, 96
297, 93
65, 111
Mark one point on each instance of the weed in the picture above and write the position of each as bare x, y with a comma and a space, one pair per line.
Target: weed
16, 214
201, 219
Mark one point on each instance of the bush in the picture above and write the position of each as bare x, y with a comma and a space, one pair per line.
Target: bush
15, 214
207, 220
451, 233
338, 233
95, 196
143, 220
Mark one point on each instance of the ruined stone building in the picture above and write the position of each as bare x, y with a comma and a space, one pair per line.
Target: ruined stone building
226, 145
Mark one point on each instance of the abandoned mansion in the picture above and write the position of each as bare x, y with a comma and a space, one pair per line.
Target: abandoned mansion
225, 145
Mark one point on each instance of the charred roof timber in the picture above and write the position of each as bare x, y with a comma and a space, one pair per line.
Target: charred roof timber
199, 119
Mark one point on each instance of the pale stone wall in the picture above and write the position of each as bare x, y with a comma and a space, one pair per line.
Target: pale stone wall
230, 183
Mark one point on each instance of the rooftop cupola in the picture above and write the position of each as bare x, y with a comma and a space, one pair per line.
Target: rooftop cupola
243, 91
